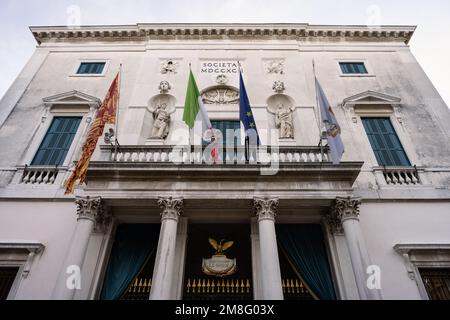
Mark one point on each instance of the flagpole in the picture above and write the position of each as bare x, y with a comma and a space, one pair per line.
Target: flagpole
317, 109
317, 98
116, 142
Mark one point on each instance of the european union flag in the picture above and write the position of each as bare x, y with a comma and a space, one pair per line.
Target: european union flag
246, 114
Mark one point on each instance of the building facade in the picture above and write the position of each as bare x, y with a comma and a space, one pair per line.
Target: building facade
157, 220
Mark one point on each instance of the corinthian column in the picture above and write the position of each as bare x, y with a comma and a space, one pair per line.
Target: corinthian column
163, 271
90, 214
266, 210
345, 215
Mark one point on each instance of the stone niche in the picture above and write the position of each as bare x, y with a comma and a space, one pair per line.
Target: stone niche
158, 119
282, 107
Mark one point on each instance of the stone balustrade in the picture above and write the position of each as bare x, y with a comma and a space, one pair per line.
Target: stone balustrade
39, 175
234, 155
400, 175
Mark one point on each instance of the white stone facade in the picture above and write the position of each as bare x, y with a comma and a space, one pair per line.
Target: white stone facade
403, 224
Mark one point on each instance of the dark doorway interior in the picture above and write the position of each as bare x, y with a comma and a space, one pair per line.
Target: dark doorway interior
201, 286
293, 287
7, 276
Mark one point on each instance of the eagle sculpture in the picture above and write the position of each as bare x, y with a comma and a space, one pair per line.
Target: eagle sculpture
221, 246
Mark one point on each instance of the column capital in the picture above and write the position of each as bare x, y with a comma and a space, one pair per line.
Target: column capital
92, 208
344, 208
172, 208
265, 208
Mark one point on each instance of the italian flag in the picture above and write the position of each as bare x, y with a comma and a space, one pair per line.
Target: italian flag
194, 110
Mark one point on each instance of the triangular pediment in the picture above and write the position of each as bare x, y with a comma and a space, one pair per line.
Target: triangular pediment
371, 98
72, 98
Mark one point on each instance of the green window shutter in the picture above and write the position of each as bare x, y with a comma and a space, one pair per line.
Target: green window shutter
353, 67
223, 126
385, 143
57, 141
91, 68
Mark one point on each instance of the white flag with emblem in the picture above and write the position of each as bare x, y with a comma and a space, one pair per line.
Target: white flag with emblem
333, 130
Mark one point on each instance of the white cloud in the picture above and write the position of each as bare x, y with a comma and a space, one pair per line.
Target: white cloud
430, 44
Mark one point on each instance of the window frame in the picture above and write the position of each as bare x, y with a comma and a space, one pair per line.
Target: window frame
43, 128
423, 255
80, 61
241, 140
363, 61
407, 146
21, 256
374, 158
80, 117
43, 131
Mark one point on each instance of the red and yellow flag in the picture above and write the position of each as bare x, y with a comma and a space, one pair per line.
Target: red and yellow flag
106, 114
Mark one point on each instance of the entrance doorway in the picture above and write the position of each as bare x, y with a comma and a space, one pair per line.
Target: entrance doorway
218, 263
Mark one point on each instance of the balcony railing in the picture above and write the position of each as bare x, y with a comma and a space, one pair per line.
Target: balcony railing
399, 175
235, 155
207, 288
39, 175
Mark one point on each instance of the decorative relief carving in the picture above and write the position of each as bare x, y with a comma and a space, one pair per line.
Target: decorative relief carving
343, 209
278, 86
164, 86
169, 66
92, 208
221, 79
265, 208
275, 66
172, 208
221, 96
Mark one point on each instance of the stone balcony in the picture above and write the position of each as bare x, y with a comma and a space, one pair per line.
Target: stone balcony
151, 171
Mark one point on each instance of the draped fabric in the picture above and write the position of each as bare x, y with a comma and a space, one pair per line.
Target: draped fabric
306, 251
133, 245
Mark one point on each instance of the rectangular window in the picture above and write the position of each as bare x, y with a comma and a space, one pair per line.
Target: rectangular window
91, 68
437, 283
57, 141
223, 126
353, 67
385, 143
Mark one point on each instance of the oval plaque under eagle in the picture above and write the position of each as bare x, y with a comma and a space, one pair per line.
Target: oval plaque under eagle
219, 265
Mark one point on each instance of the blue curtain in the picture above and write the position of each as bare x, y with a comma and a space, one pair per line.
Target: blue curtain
133, 245
303, 243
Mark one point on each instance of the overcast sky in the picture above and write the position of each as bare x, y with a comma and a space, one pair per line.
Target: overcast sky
430, 43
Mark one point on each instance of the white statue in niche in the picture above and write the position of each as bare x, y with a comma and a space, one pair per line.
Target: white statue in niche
283, 121
161, 122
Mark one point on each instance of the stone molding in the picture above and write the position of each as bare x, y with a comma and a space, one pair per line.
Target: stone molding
213, 31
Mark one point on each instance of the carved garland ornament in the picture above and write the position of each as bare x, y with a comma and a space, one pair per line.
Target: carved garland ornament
221, 96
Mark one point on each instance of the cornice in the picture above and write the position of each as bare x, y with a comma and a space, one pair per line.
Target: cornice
145, 31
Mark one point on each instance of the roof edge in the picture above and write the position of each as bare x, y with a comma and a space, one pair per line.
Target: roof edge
401, 33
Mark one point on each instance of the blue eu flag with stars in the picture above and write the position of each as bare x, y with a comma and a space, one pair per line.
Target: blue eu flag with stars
246, 114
